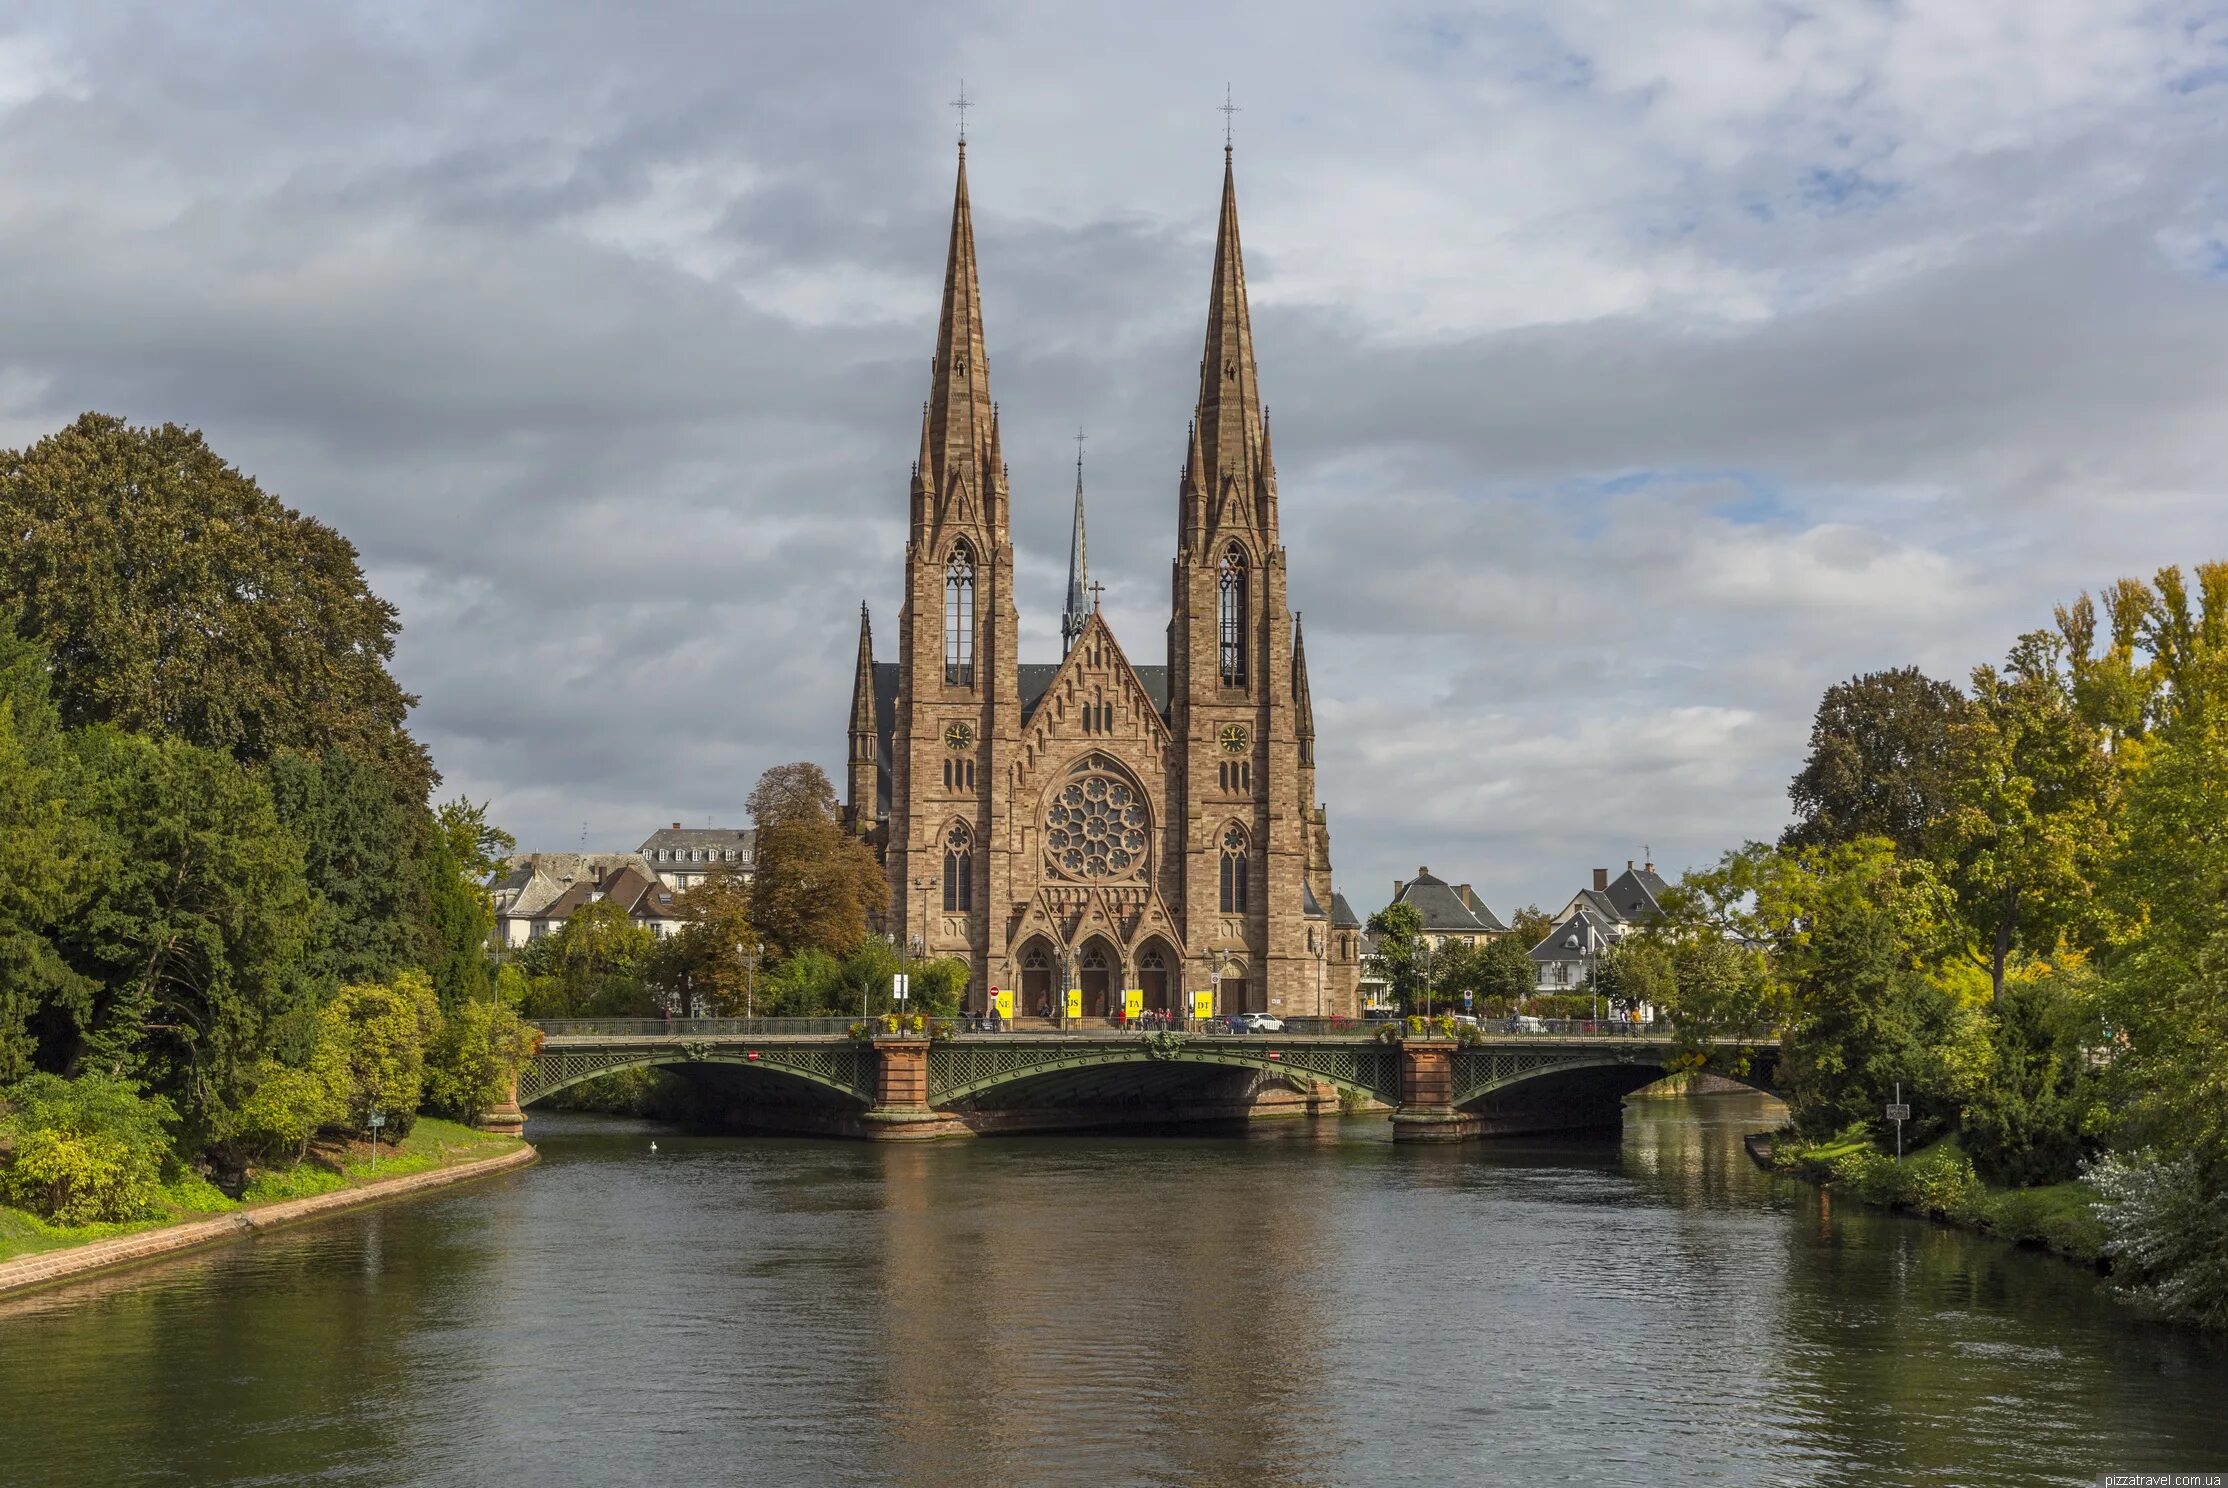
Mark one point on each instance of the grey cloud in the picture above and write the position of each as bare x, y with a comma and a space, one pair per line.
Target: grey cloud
603, 332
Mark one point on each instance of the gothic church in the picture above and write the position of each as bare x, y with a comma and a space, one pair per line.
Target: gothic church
1092, 823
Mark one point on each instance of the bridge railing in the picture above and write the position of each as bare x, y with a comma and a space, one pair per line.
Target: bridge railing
973, 1025
691, 1027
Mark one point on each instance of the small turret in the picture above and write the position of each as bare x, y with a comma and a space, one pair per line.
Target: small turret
1078, 612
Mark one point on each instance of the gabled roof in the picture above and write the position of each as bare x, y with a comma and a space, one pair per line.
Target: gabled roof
1594, 935
532, 880
1637, 893
1444, 910
1036, 680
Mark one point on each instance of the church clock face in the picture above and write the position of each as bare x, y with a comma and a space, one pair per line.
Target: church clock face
1235, 738
959, 736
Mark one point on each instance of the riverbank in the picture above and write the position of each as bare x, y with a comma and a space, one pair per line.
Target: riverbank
437, 1153
1937, 1182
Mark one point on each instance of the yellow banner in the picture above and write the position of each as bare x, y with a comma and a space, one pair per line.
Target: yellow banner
1004, 1002
1075, 1002
1133, 1002
1202, 1004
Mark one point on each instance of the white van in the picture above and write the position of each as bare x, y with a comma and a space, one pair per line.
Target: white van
1526, 1023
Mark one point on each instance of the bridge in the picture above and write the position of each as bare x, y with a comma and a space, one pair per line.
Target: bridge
818, 1075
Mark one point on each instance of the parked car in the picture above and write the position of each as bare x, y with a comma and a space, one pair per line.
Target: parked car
1256, 1023
1526, 1023
1380, 1015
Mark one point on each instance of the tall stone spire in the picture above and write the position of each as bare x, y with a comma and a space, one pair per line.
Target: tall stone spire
860, 800
1232, 471
961, 424
1079, 568
1303, 706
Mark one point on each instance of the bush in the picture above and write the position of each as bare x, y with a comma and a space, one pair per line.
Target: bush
88, 1150
286, 1108
2166, 1234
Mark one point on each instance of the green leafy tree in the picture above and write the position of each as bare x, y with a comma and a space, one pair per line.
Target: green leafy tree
474, 1061
286, 1106
84, 1151
1397, 933
374, 1035
595, 965
193, 940
1530, 925
363, 852
1504, 973
1637, 972
178, 599
1879, 762
2026, 836
43, 881
2037, 1116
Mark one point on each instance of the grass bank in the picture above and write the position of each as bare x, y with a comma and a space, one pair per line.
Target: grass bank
329, 1168
1938, 1181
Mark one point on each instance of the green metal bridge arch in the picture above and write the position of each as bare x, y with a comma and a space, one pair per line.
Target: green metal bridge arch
846, 1070
960, 1073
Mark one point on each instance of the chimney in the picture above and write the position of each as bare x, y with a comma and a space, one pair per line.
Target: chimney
1647, 867
1628, 865
1601, 880
1397, 887
676, 826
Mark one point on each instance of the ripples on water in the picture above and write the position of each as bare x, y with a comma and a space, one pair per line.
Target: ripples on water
1305, 1304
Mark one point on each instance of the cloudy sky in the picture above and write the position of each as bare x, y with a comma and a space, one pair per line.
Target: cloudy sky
1636, 374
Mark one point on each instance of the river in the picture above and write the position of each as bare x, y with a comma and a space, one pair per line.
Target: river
1303, 1304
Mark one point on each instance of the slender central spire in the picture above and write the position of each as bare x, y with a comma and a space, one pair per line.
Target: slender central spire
1079, 566
956, 437
1227, 447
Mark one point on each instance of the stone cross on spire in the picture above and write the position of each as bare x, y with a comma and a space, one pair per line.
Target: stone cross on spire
1079, 566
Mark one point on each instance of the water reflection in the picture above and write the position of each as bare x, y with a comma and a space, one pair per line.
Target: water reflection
1301, 1304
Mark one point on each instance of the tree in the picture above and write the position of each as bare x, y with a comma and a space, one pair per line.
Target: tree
374, 1035
1636, 972
1397, 932
178, 599
2025, 838
363, 851
594, 966
1861, 1016
708, 958
817, 886
2037, 1115
474, 1060
1879, 762
43, 880
1530, 925
1504, 970
193, 941
286, 1106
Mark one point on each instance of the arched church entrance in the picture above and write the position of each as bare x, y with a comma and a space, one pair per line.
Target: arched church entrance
1095, 975
1153, 975
1036, 978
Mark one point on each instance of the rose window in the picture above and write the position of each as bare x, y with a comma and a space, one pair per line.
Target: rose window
1096, 829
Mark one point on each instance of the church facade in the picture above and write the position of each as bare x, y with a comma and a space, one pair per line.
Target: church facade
1093, 823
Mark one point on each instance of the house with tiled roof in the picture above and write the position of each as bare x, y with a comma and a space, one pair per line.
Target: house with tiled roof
1450, 912
538, 892
685, 856
1596, 918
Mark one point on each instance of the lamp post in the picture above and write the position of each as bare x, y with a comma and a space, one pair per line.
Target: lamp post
750, 975
1222, 971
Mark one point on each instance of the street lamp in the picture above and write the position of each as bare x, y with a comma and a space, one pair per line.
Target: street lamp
1319, 943
750, 976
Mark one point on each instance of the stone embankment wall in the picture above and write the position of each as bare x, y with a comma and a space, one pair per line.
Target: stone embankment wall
52, 1266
